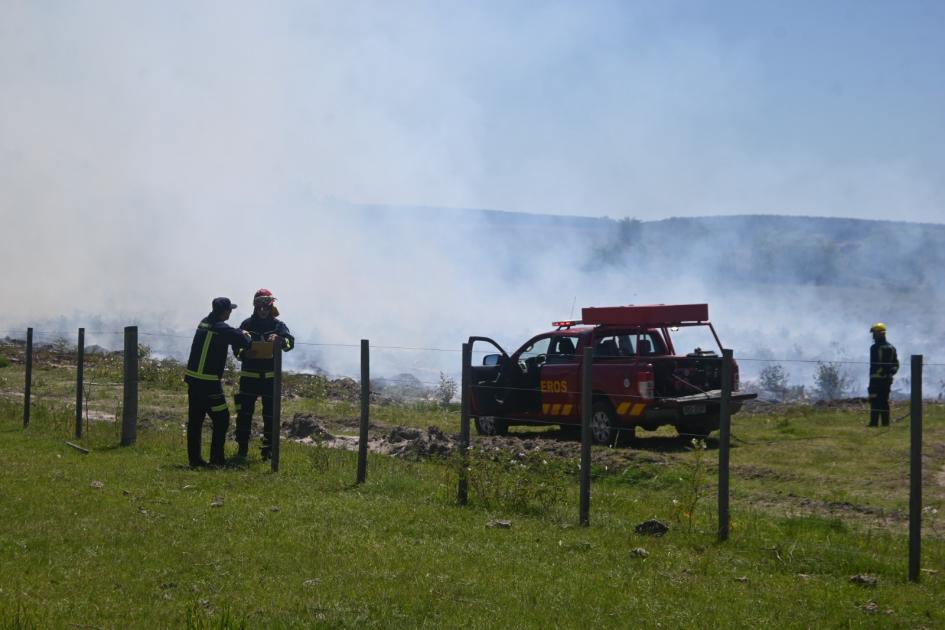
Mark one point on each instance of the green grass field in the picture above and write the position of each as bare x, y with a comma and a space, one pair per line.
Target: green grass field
129, 537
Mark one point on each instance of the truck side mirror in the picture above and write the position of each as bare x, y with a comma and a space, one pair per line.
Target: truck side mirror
491, 359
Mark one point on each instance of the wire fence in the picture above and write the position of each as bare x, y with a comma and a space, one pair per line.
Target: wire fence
776, 382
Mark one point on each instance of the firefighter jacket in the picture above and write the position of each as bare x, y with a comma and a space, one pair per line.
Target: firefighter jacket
883, 360
260, 328
209, 348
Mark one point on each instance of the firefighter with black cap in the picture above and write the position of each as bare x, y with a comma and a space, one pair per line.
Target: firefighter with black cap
204, 376
883, 366
256, 373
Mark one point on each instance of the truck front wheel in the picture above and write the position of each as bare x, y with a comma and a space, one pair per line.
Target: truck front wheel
604, 429
490, 425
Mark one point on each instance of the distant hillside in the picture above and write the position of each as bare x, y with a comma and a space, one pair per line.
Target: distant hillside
812, 251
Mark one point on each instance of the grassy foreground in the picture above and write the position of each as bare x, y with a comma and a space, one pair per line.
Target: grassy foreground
129, 537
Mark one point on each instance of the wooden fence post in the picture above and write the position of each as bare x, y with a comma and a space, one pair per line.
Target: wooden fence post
276, 434
586, 410
915, 471
129, 420
725, 426
79, 382
365, 411
28, 389
462, 492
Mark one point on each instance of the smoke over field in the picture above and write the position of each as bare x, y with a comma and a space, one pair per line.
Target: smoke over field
780, 289
153, 156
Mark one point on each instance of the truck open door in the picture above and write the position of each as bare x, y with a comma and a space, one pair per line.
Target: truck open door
487, 389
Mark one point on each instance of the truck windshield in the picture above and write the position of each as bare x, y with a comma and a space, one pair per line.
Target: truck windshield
536, 348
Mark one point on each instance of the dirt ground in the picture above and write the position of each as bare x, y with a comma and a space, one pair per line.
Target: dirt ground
413, 443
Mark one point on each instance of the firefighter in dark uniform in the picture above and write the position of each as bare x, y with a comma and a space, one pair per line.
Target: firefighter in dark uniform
256, 374
883, 366
204, 375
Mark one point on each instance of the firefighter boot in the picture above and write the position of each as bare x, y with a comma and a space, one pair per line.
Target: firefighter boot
193, 447
242, 454
221, 422
244, 425
266, 450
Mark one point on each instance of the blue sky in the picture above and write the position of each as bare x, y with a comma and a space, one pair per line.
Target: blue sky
642, 109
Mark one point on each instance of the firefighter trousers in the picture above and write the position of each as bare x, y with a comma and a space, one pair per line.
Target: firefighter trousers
250, 389
206, 398
879, 401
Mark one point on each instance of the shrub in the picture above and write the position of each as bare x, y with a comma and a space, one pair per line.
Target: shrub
4, 362
516, 483
773, 379
831, 381
445, 389
695, 480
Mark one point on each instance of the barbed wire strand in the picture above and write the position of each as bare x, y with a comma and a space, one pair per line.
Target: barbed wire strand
601, 359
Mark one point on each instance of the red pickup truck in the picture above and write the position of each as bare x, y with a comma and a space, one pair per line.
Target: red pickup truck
639, 379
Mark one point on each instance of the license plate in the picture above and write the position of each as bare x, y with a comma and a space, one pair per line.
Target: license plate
693, 410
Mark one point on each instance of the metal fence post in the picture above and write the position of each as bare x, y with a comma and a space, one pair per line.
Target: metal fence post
915, 471
27, 391
586, 404
79, 382
462, 492
276, 403
725, 427
365, 410
129, 420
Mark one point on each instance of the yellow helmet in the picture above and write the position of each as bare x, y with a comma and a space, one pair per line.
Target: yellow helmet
878, 327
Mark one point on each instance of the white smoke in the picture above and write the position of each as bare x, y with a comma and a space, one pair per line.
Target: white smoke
155, 156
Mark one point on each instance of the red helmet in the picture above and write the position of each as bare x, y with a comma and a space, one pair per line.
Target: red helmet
264, 296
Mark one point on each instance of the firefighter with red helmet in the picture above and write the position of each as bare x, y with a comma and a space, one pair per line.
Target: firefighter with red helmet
256, 373
884, 363
204, 376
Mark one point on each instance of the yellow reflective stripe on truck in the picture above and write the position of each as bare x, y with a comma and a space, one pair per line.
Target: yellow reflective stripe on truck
556, 409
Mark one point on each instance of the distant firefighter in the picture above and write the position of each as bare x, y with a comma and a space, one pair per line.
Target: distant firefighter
204, 375
883, 366
256, 373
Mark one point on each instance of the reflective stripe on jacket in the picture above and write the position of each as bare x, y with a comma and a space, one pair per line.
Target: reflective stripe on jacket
209, 348
884, 362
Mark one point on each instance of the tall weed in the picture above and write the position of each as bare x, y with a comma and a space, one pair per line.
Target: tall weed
523, 483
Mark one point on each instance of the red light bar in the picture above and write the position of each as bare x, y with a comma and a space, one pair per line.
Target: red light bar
566, 322
652, 315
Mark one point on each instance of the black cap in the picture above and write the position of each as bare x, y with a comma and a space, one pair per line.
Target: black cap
221, 304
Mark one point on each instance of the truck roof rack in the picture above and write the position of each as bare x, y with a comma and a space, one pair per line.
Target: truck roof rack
649, 315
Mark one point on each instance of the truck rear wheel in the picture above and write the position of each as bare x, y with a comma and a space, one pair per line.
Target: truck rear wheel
604, 429
490, 425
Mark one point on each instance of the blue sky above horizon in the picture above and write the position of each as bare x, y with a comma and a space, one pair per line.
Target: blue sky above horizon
641, 109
